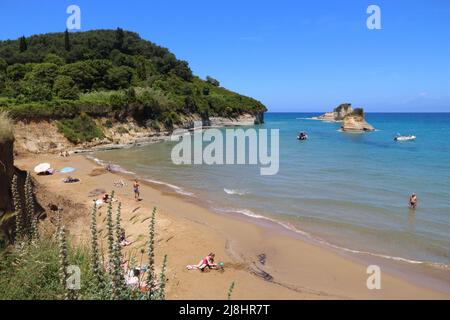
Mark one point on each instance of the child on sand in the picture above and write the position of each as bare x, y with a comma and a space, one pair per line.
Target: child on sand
123, 240
207, 261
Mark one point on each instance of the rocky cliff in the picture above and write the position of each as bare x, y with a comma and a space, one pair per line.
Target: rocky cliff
338, 114
42, 136
355, 122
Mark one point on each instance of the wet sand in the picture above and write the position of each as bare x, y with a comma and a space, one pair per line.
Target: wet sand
263, 262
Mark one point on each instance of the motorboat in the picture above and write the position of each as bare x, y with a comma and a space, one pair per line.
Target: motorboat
302, 136
405, 138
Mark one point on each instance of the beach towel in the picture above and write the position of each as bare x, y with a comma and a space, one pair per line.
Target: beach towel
67, 170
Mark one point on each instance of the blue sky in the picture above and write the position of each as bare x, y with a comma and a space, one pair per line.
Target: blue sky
292, 55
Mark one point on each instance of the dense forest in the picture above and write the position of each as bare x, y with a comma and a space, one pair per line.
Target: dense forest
112, 73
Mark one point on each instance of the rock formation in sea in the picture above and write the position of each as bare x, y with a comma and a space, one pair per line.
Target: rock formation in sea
356, 122
338, 114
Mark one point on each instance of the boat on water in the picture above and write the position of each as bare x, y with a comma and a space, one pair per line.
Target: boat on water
405, 138
302, 136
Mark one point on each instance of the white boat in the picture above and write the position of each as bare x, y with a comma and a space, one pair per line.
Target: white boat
405, 138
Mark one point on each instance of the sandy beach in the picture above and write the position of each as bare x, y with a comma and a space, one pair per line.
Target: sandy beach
263, 262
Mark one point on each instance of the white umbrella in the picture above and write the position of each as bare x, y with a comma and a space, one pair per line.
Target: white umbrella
42, 167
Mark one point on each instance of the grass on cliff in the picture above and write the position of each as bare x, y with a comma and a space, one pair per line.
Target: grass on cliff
6, 131
33, 273
80, 129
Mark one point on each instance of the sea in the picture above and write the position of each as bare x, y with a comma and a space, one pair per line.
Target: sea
349, 191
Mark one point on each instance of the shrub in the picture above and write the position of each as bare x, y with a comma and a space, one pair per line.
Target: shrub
80, 129
358, 112
122, 130
53, 58
35, 90
65, 88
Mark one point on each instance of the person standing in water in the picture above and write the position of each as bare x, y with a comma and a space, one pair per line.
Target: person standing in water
136, 189
413, 201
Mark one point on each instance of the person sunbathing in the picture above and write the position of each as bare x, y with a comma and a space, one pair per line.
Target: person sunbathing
102, 200
122, 239
70, 179
206, 262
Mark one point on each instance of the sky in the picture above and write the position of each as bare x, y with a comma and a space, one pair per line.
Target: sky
292, 55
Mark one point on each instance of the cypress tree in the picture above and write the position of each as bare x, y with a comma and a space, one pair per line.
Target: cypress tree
67, 45
120, 35
23, 44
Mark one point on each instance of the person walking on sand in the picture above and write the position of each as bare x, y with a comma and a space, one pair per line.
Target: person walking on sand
413, 201
136, 189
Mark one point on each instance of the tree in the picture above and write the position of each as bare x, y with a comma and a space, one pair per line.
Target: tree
44, 73
3, 66
119, 39
81, 73
182, 70
212, 81
67, 45
17, 71
119, 77
53, 58
23, 44
65, 88
34, 90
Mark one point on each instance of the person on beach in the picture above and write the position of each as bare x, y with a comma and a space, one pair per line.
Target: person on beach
207, 261
413, 201
136, 189
123, 240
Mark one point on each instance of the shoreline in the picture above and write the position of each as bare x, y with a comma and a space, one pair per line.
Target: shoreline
300, 270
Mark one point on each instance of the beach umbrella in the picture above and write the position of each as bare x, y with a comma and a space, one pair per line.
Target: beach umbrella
42, 167
67, 170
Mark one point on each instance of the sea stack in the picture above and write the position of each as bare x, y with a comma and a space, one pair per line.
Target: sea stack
355, 122
338, 114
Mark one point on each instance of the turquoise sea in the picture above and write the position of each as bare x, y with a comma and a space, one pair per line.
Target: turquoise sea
347, 190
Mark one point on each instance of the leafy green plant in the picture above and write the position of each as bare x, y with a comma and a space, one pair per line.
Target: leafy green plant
80, 129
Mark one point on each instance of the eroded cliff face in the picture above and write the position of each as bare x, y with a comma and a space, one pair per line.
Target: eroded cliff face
355, 122
342, 111
44, 137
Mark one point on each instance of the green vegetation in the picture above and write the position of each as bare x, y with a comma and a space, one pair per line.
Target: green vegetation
107, 73
37, 266
358, 112
79, 129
